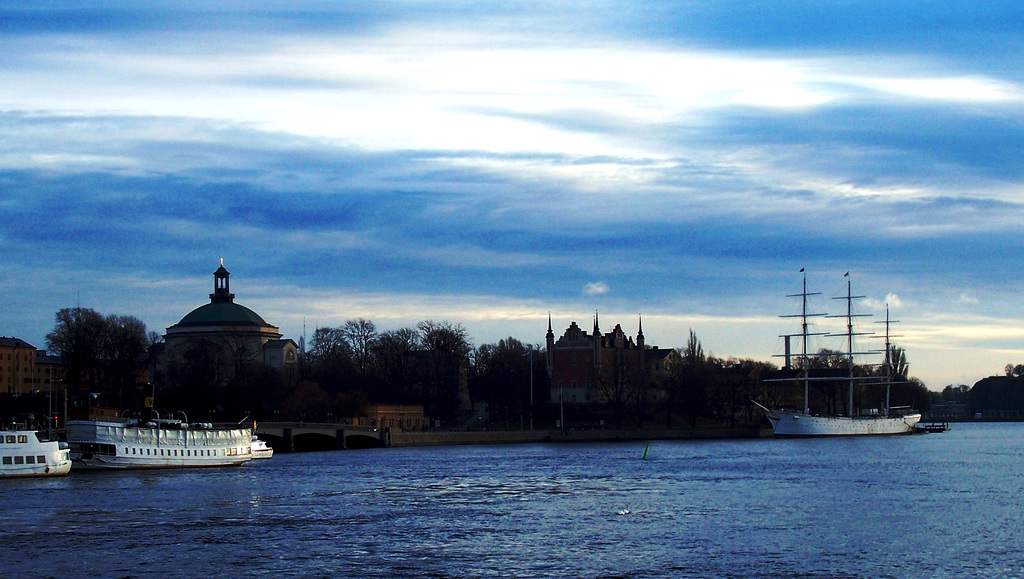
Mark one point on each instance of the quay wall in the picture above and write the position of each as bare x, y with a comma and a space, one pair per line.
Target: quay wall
441, 438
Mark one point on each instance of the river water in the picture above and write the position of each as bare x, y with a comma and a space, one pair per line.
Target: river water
938, 505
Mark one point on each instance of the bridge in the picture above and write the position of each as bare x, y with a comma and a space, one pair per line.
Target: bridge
301, 436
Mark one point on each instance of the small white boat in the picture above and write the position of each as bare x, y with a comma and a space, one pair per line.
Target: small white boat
23, 453
260, 449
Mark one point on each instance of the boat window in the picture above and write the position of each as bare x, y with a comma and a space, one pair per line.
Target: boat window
10, 439
7, 460
23, 438
19, 460
1, 440
30, 460
40, 459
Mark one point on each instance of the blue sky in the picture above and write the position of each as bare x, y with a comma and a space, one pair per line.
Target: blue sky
489, 163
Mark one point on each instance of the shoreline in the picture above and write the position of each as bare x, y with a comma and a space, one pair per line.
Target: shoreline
410, 439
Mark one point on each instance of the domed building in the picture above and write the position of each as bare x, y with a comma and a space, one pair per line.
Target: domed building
226, 336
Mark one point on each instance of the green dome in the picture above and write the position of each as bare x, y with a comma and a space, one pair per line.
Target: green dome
222, 313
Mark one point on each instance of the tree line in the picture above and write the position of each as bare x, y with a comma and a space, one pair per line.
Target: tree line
436, 365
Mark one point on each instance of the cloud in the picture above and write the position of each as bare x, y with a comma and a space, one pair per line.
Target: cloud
969, 299
596, 288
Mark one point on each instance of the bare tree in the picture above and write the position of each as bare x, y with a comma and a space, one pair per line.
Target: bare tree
447, 348
391, 355
125, 350
360, 335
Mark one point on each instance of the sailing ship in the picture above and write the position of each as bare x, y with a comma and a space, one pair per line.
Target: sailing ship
801, 423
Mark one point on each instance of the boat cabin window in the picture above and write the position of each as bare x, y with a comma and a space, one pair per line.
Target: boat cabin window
19, 460
30, 460
40, 459
7, 460
11, 439
22, 438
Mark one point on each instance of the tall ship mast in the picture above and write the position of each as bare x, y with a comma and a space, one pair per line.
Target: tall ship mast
802, 423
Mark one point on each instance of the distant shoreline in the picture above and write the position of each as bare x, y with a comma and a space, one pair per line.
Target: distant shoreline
432, 438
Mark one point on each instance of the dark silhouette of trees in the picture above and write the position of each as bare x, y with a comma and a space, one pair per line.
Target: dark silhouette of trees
392, 355
695, 379
444, 368
103, 356
501, 379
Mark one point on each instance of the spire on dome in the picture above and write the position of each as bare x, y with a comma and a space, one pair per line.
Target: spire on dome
221, 285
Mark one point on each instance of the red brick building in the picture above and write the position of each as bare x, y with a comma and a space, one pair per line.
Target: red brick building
600, 368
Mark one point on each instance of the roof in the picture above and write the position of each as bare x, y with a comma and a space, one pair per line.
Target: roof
279, 343
222, 313
15, 343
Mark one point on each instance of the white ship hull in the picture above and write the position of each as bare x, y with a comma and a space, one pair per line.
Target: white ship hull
261, 449
22, 454
99, 445
797, 424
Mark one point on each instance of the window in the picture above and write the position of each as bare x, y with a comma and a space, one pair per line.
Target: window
19, 460
22, 438
7, 460
30, 460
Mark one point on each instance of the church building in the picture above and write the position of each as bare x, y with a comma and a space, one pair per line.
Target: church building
231, 332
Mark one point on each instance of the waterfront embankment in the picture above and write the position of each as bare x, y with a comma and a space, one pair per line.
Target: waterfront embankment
442, 438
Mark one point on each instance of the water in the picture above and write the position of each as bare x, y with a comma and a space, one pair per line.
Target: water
936, 505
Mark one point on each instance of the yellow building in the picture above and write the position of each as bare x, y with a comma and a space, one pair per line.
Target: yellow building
17, 366
400, 416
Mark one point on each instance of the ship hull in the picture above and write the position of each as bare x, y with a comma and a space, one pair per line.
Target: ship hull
799, 425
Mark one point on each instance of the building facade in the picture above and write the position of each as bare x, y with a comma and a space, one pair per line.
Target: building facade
17, 366
598, 368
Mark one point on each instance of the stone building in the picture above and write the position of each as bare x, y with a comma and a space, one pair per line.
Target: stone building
227, 336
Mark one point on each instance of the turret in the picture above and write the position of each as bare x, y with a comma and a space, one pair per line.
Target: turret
221, 285
550, 343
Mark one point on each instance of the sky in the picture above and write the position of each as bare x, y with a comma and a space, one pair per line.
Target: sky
494, 163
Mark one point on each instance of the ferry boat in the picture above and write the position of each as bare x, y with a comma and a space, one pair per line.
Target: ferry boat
261, 449
23, 453
801, 423
118, 443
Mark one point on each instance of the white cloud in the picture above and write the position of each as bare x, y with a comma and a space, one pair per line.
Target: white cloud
596, 288
970, 299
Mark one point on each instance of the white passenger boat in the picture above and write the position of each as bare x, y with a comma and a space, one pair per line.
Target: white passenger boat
261, 449
113, 443
24, 453
802, 423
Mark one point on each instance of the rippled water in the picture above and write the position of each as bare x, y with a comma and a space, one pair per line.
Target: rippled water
937, 505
